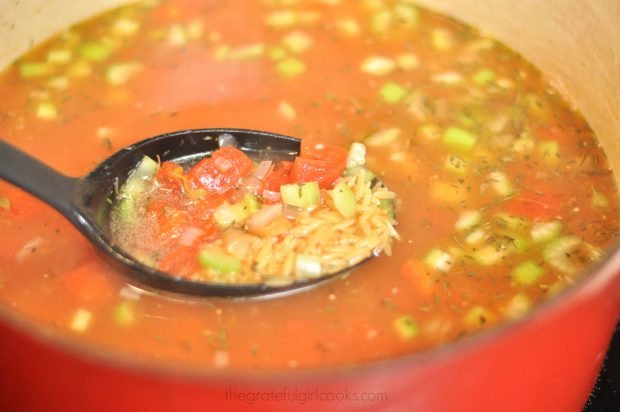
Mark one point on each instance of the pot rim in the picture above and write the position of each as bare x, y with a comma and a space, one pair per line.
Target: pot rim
594, 279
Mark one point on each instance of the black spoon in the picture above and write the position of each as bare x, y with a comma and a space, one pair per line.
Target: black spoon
87, 201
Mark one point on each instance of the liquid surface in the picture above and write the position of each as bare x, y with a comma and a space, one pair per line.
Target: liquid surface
505, 193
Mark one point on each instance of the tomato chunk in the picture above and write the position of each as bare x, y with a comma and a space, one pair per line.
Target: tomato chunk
314, 170
335, 155
278, 176
221, 172
182, 261
170, 177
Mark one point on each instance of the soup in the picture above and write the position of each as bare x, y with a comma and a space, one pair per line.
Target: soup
472, 139
223, 219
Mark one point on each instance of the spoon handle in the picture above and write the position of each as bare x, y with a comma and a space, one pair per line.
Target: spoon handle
36, 178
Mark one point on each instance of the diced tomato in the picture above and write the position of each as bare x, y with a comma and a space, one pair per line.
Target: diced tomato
314, 170
533, 205
182, 261
278, 176
171, 221
170, 176
320, 151
89, 281
221, 172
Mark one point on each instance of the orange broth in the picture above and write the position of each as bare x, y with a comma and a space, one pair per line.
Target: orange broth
298, 69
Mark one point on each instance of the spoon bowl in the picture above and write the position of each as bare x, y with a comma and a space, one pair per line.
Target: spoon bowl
87, 201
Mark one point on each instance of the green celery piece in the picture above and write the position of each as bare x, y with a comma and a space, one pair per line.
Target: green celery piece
392, 92
290, 67
484, 76
222, 262
406, 327
28, 70
527, 273
344, 200
94, 51
310, 194
5, 203
459, 139
388, 204
124, 314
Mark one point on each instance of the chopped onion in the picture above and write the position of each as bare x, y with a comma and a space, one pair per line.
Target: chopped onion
291, 212
264, 216
262, 169
189, 235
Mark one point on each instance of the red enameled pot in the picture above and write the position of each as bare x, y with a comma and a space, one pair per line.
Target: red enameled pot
546, 362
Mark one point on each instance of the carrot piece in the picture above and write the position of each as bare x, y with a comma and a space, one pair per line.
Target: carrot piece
416, 273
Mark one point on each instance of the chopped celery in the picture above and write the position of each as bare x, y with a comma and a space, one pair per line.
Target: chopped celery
225, 215
95, 51
344, 200
475, 237
382, 137
304, 195
348, 26
459, 139
599, 199
276, 53
357, 155
290, 67
28, 70
352, 171
544, 232
286, 110
490, 255
442, 39
124, 313
47, 111
220, 261
378, 65
308, 266
81, 320
381, 21
297, 41
484, 76
449, 78
125, 27
406, 327
439, 260
126, 209
250, 51
509, 221
468, 219
520, 243
145, 169
527, 273
388, 204
250, 203
476, 317
518, 306
500, 183
177, 36
392, 92
120, 73
282, 18
5, 203
557, 252
455, 164
406, 14
59, 56
548, 151
310, 194
407, 61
